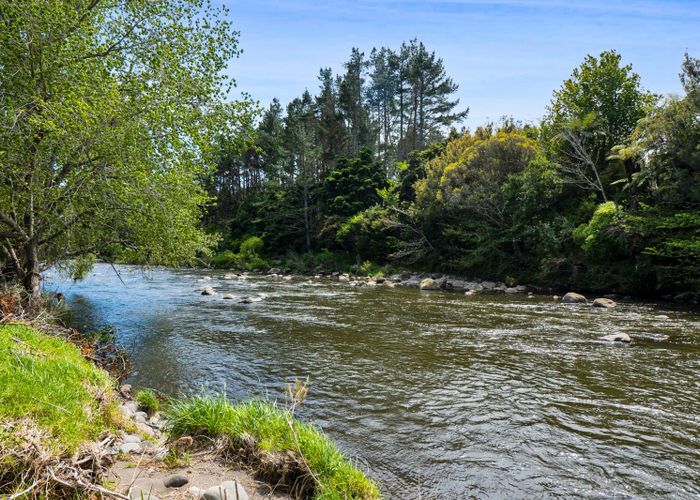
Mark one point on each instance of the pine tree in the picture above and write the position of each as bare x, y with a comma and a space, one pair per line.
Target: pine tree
331, 129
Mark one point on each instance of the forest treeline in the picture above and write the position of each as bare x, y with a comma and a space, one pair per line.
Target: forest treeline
602, 194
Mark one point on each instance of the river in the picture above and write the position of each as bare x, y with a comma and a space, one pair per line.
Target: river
436, 395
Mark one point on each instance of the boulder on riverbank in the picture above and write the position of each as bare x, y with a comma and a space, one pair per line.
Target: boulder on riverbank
574, 298
604, 303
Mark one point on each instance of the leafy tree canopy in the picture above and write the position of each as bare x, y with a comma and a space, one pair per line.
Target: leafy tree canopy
107, 108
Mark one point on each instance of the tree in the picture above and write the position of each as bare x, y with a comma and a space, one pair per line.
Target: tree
596, 109
431, 110
354, 184
270, 141
381, 98
301, 129
331, 130
351, 100
669, 180
106, 109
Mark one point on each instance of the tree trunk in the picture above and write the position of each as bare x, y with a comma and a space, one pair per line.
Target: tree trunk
307, 229
32, 278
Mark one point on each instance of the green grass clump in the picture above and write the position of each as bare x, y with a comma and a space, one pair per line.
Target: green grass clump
47, 381
274, 430
148, 401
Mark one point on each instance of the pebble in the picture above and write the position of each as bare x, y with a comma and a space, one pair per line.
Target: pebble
145, 429
176, 481
228, 490
130, 447
131, 438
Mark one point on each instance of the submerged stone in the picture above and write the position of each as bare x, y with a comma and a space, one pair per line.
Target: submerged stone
429, 284
574, 298
616, 337
604, 303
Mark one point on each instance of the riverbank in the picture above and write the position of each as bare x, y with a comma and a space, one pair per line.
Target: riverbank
447, 283
338, 263
67, 430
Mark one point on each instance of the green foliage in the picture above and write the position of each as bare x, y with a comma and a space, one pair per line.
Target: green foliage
673, 242
603, 237
594, 111
368, 268
601, 195
247, 258
251, 247
175, 459
353, 185
225, 260
109, 118
47, 380
79, 267
603, 88
147, 400
327, 260
365, 234
274, 430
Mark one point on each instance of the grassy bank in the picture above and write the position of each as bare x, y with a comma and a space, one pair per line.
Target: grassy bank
52, 402
279, 448
55, 406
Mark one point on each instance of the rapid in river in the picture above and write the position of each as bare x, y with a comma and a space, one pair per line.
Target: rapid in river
436, 395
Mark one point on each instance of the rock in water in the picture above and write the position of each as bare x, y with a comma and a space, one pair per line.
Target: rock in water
176, 481
429, 284
574, 298
228, 490
604, 303
207, 290
228, 296
616, 337
488, 285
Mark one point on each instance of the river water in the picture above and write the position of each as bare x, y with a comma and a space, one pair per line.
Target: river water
436, 395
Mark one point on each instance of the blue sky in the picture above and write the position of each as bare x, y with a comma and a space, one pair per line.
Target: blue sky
506, 55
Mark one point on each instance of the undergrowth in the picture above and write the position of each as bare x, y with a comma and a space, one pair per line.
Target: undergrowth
277, 446
147, 400
53, 403
48, 380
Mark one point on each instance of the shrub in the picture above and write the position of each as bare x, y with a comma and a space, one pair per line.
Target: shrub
225, 260
605, 236
254, 262
251, 246
148, 401
368, 268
